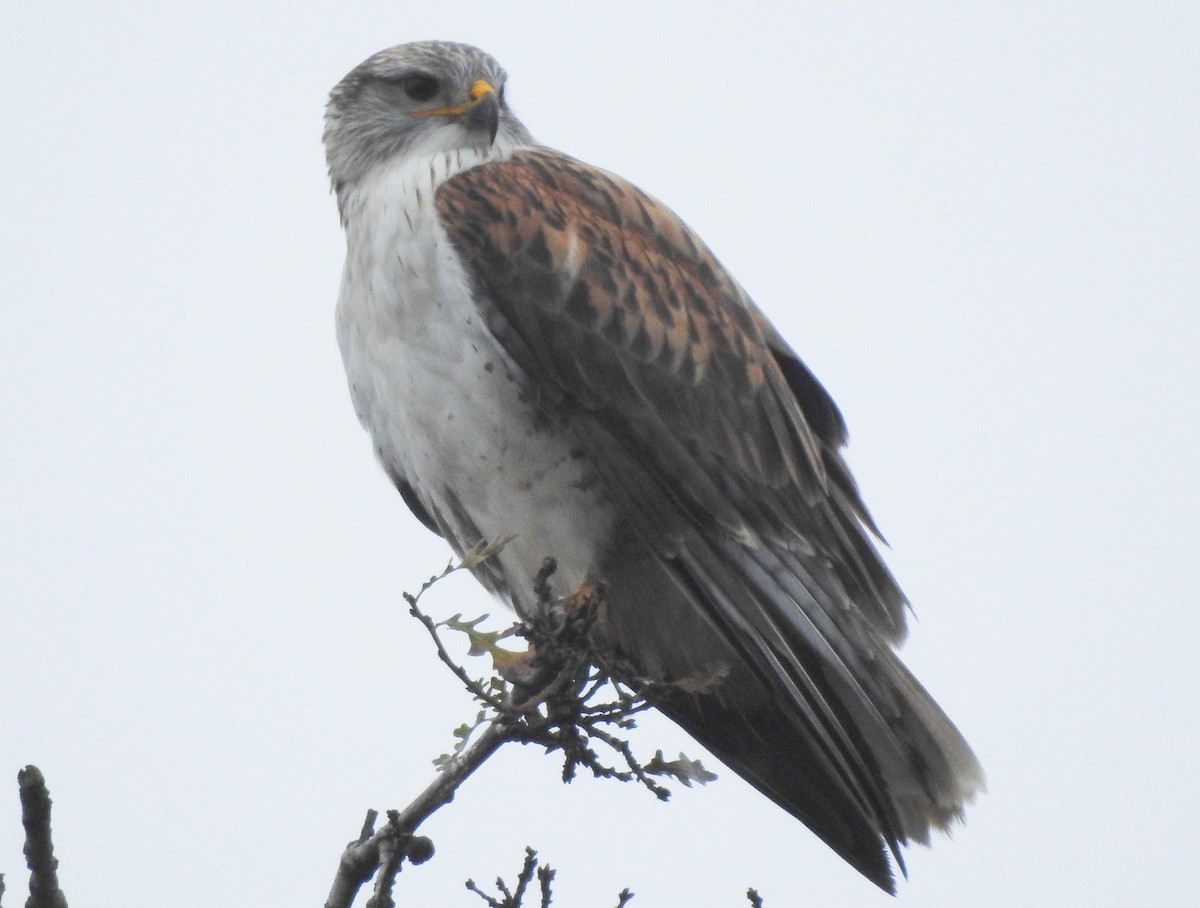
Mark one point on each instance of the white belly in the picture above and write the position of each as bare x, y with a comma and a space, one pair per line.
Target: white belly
446, 409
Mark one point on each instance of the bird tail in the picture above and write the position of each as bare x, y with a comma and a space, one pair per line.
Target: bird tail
815, 709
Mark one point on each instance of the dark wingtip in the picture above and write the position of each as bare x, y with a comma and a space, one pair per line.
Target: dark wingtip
880, 873
873, 861
770, 755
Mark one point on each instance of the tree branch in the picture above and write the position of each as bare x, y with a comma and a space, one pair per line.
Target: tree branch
514, 899
541, 697
362, 858
44, 891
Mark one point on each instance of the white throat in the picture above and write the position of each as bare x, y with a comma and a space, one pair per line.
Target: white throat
447, 410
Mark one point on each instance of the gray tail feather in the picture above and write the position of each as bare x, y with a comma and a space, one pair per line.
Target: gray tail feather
816, 711
770, 755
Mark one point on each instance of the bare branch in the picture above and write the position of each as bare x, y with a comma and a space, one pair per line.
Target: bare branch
515, 898
44, 891
544, 697
361, 858
473, 558
545, 878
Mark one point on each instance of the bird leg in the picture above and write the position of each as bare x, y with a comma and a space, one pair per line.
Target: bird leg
563, 643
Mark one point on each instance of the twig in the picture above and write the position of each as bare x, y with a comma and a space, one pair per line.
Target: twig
473, 686
539, 698
44, 891
361, 858
514, 898
545, 878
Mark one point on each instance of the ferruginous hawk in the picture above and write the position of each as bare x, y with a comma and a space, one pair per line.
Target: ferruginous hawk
539, 348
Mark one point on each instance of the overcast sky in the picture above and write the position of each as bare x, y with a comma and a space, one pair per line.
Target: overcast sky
978, 226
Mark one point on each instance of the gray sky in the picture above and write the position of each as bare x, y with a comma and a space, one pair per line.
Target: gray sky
979, 228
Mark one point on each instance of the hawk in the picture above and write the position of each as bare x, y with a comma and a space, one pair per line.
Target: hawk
539, 348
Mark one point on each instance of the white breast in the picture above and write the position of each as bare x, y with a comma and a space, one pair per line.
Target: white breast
442, 402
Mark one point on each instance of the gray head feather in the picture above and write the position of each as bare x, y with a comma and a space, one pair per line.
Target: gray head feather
370, 119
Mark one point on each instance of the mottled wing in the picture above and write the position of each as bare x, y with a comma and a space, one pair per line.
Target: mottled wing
617, 308
721, 450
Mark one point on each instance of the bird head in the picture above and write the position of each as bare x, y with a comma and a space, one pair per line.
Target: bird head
421, 98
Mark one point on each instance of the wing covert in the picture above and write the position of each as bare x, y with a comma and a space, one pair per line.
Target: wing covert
614, 308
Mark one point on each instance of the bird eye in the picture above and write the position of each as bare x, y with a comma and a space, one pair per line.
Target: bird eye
420, 87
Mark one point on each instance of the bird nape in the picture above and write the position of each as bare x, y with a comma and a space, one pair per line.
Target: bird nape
540, 349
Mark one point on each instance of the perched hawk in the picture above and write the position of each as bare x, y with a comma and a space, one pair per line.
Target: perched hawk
539, 348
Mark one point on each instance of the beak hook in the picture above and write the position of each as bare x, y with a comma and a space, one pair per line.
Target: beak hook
481, 111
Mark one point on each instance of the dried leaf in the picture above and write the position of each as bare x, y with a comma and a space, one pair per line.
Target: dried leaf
685, 769
463, 734
507, 662
484, 551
